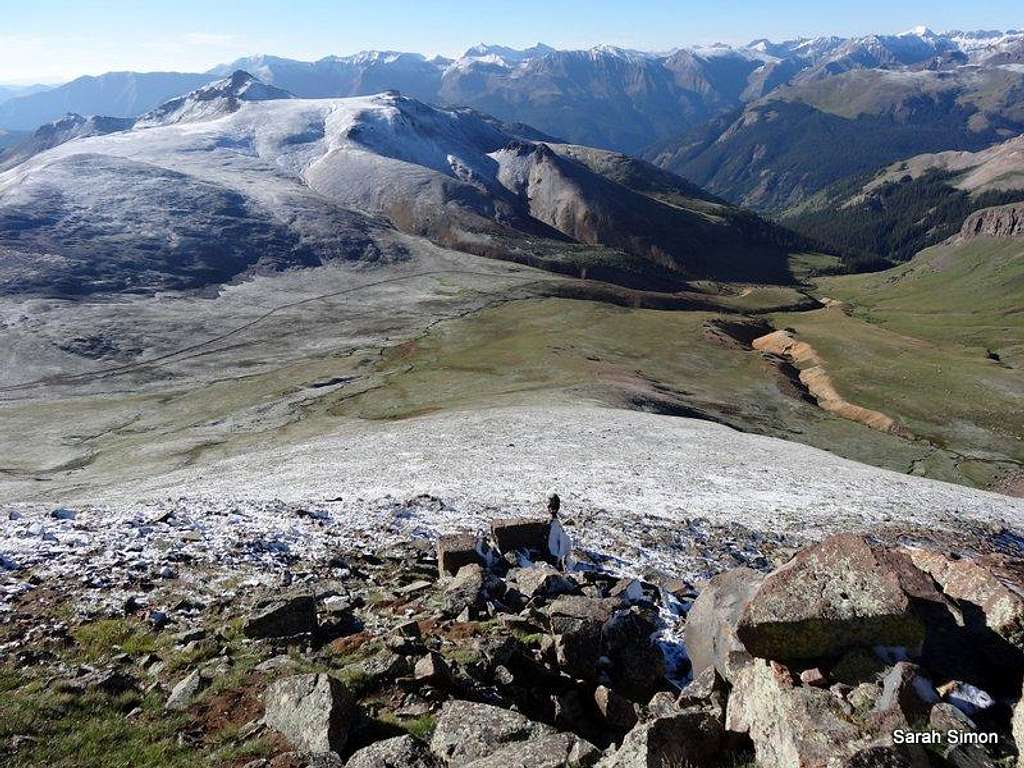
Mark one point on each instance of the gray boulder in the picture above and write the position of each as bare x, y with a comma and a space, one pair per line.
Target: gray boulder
840, 594
186, 691
541, 580
572, 612
465, 591
556, 750
467, 731
399, 752
691, 737
311, 711
282, 617
710, 634
484, 736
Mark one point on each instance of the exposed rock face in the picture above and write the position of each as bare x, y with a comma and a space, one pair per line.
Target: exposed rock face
840, 594
711, 640
311, 711
814, 376
283, 618
988, 583
1005, 221
984, 642
399, 752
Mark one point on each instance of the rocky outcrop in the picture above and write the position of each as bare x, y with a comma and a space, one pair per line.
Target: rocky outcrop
991, 584
838, 595
984, 640
814, 665
1002, 221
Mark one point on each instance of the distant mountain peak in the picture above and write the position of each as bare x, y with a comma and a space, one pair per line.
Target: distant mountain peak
919, 31
219, 98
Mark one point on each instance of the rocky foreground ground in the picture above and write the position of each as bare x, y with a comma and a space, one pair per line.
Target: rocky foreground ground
401, 647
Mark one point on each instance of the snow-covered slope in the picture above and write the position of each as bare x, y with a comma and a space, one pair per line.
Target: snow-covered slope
217, 99
627, 465
279, 178
69, 127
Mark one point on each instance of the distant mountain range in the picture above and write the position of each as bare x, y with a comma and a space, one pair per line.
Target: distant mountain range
239, 177
605, 96
767, 125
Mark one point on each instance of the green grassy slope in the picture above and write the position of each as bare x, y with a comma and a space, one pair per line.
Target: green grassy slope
970, 295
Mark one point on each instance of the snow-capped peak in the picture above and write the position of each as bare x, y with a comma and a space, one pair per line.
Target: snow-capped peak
217, 99
919, 31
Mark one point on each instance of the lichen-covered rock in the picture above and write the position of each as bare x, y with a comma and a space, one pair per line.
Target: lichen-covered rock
467, 731
795, 726
690, 737
282, 617
399, 752
541, 580
840, 594
555, 750
311, 711
710, 634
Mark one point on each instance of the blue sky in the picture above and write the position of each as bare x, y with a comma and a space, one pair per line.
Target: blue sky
54, 40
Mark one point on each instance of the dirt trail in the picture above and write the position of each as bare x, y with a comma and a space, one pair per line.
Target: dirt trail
814, 376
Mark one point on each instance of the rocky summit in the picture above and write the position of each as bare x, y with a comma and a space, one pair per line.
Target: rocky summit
472, 650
